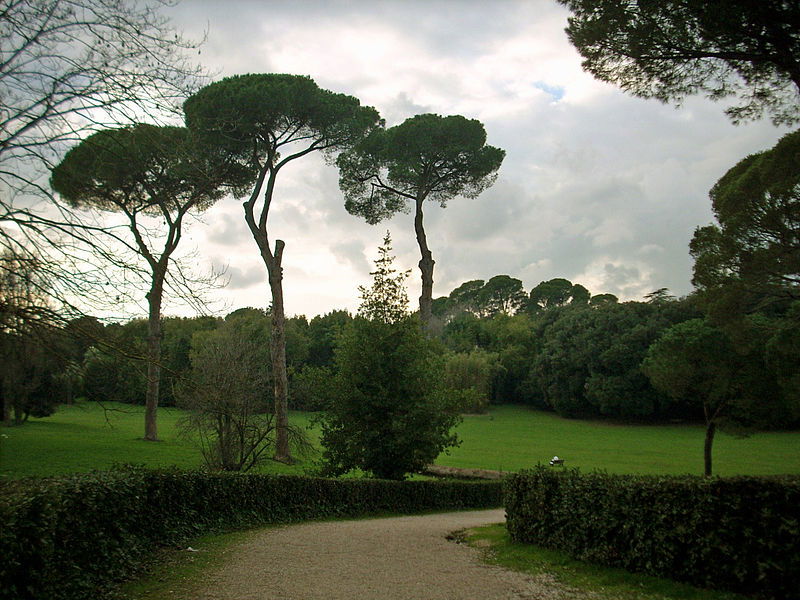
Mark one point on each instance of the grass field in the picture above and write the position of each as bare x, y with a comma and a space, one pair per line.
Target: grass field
510, 438
83, 437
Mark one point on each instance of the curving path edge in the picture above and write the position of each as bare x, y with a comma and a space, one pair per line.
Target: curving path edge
382, 559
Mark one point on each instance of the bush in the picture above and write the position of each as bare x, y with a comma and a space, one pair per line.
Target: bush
72, 537
470, 375
737, 533
388, 415
309, 388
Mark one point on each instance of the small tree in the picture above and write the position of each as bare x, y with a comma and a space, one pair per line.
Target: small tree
226, 393
695, 362
427, 157
388, 416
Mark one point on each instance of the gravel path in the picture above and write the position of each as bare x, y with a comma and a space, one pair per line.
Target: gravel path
382, 559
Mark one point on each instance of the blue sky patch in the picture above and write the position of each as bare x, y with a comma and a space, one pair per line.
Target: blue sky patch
556, 91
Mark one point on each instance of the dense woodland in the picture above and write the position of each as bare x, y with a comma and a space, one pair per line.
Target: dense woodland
556, 348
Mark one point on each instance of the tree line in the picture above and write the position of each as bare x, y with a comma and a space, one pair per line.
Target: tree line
573, 356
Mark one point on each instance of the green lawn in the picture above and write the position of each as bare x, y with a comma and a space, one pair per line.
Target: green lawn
588, 580
84, 437
510, 438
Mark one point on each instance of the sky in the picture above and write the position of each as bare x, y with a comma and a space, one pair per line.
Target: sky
597, 186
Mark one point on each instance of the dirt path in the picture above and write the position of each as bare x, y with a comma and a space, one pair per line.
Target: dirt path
382, 559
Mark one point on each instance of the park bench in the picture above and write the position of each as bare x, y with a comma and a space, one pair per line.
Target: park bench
556, 461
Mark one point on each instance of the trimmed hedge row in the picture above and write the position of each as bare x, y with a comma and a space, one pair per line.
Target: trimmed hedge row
72, 537
739, 533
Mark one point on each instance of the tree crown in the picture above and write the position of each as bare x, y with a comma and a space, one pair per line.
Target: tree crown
675, 48
140, 168
427, 157
751, 260
255, 116
386, 300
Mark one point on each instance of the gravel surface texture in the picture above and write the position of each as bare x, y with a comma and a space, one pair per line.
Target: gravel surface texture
381, 559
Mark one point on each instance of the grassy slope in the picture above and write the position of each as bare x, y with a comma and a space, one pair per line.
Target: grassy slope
84, 437
512, 437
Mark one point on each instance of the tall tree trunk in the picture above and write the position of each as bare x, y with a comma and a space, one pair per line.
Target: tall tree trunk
7, 388
426, 269
19, 412
711, 428
6, 410
153, 356
278, 356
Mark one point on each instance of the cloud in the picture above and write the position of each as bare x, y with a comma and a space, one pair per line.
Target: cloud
240, 278
597, 186
352, 253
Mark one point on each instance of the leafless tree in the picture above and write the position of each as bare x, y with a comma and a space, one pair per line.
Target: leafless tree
69, 68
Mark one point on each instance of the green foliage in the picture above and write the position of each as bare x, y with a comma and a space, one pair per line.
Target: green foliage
271, 110
470, 376
425, 157
35, 375
309, 388
557, 292
388, 414
322, 333
694, 360
111, 376
143, 168
501, 295
782, 353
672, 49
603, 300
70, 538
465, 295
175, 347
589, 361
739, 533
750, 262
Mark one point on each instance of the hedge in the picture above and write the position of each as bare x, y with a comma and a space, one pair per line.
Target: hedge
72, 537
740, 533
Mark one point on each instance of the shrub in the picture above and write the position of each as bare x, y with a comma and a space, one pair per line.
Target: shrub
737, 533
309, 388
470, 375
71, 537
